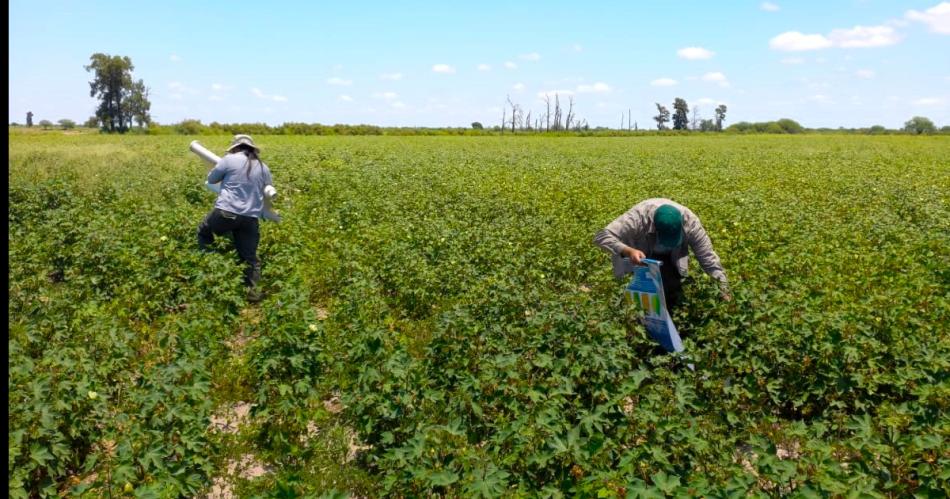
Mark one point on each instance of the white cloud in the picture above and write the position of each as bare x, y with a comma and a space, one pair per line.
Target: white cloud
937, 18
597, 88
663, 82
391, 76
518, 86
695, 53
345, 98
276, 98
339, 81
864, 36
856, 37
217, 87
793, 41
399, 105
385, 95
510, 65
793, 60
577, 48
174, 58
716, 77
865, 74
930, 101
769, 7
443, 68
484, 67
533, 56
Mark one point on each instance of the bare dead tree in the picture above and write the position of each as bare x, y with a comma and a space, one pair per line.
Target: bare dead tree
694, 122
628, 119
527, 121
570, 113
514, 113
557, 112
547, 114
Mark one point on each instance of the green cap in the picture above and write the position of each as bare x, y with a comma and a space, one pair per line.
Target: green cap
669, 226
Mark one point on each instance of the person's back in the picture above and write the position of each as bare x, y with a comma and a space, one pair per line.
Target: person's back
243, 179
661, 229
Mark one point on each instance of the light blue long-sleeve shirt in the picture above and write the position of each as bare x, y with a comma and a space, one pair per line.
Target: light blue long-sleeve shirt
242, 184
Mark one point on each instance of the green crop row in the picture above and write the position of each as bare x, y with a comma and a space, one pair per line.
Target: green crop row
448, 290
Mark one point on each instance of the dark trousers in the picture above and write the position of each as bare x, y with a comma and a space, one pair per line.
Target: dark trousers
245, 233
672, 281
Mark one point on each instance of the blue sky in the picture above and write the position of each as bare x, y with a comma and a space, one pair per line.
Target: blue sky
824, 63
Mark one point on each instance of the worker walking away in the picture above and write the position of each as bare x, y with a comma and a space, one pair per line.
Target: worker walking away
237, 210
663, 230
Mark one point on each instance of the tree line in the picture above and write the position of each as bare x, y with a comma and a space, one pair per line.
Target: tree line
545, 121
681, 118
124, 101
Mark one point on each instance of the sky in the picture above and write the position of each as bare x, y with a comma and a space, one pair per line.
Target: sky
831, 63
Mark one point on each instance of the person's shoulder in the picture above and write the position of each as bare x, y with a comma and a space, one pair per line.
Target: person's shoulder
232, 158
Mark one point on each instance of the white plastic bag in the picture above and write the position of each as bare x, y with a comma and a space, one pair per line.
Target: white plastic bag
646, 291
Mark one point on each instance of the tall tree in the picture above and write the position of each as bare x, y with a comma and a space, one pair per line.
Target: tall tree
112, 84
680, 114
720, 116
662, 118
570, 113
137, 105
547, 113
515, 113
29, 118
919, 124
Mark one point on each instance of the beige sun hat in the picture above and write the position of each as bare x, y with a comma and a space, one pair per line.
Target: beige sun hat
243, 140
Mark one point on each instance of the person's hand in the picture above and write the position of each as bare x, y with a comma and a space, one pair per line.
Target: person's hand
724, 293
634, 255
